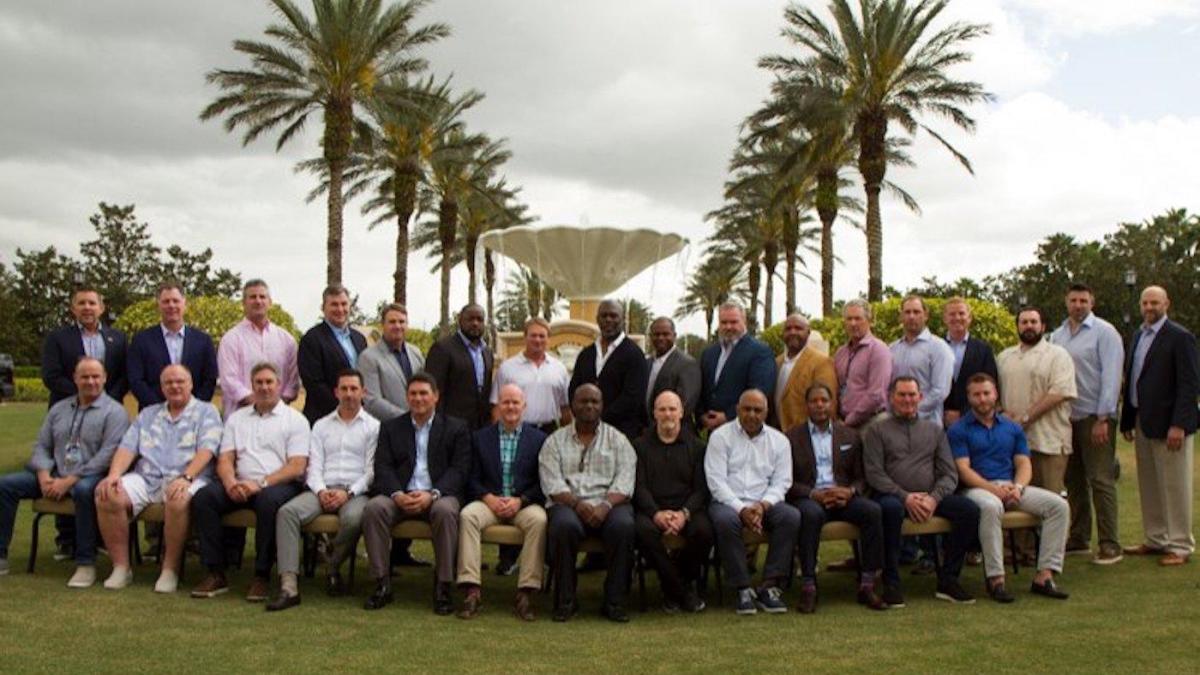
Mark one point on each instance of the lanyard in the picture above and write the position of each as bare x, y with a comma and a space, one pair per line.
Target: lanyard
77, 431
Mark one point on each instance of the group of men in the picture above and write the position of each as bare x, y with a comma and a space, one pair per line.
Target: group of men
660, 453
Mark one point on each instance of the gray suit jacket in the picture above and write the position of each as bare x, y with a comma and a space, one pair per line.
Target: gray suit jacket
681, 374
385, 382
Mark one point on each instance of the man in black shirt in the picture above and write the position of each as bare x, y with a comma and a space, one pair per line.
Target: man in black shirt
671, 497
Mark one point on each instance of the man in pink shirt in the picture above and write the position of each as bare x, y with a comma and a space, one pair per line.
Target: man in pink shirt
864, 367
254, 340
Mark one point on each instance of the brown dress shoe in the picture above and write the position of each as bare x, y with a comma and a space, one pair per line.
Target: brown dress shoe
808, 599
259, 589
471, 604
213, 584
1173, 560
1143, 549
523, 606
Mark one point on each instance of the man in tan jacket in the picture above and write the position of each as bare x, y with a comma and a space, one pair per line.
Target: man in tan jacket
799, 367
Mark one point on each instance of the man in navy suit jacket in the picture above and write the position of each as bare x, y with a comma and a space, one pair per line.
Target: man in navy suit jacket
505, 487
971, 355
1159, 415
171, 342
327, 349
732, 366
618, 367
86, 337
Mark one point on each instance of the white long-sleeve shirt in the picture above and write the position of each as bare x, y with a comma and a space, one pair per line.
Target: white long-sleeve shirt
343, 453
742, 469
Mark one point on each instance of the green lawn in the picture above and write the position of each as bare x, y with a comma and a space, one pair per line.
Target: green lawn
1133, 617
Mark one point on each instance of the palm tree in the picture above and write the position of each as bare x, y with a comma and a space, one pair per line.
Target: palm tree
887, 70
330, 64
718, 279
526, 295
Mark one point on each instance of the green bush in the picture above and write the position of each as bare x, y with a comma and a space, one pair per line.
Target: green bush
419, 338
213, 315
989, 322
27, 371
773, 336
30, 390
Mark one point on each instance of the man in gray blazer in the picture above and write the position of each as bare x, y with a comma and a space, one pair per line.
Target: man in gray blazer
671, 369
387, 366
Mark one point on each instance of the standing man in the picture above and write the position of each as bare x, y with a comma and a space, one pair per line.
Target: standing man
421, 469
670, 368
1096, 350
909, 468
264, 452
617, 366
254, 340
920, 355
1159, 416
71, 455
327, 349
799, 369
462, 365
169, 446
864, 368
1037, 385
341, 464
88, 336
541, 378
504, 487
993, 465
587, 471
827, 484
387, 366
171, 343
971, 355
748, 467
736, 364
671, 498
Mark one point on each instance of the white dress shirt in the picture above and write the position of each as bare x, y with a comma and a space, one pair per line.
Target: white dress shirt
343, 453
544, 386
742, 470
602, 354
264, 443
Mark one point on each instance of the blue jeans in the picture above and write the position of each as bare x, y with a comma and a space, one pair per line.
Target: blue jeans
781, 522
24, 485
963, 515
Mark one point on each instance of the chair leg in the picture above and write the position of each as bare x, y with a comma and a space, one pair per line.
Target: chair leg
716, 566
640, 567
33, 545
135, 551
1012, 546
353, 560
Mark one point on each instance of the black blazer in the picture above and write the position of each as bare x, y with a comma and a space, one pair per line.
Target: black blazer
148, 356
680, 373
847, 460
1168, 385
978, 358
449, 455
63, 348
320, 358
751, 365
622, 384
486, 474
450, 364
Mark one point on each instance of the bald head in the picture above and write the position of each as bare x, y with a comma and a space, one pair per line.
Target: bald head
668, 415
586, 404
752, 411
610, 319
511, 402
176, 384
1154, 304
795, 333
89, 377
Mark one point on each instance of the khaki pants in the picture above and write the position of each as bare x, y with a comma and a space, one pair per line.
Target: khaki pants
532, 522
1092, 483
1165, 489
1050, 507
1049, 471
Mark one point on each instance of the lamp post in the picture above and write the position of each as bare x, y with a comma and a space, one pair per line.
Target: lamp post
1130, 285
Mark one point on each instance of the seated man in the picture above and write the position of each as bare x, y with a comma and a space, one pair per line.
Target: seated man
994, 467
421, 468
827, 484
169, 447
264, 451
71, 455
505, 488
670, 497
588, 469
340, 467
908, 465
749, 470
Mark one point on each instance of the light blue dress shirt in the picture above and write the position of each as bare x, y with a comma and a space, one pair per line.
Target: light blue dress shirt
174, 340
420, 477
1145, 339
475, 351
343, 337
930, 361
1099, 357
93, 344
959, 349
822, 444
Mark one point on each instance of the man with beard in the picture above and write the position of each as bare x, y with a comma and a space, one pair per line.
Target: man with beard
617, 366
799, 369
736, 364
462, 365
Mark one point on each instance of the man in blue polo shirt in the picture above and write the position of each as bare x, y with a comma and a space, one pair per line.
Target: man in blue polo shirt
994, 467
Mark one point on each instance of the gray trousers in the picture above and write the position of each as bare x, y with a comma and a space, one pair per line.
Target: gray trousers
1165, 489
302, 510
1050, 507
382, 513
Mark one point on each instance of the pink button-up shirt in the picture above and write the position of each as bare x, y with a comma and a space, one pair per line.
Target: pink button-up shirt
243, 347
864, 371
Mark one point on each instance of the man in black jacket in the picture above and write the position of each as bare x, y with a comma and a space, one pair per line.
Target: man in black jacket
462, 365
88, 336
971, 355
617, 366
421, 469
327, 349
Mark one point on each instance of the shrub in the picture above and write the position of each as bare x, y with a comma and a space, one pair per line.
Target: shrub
27, 371
419, 338
213, 315
30, 390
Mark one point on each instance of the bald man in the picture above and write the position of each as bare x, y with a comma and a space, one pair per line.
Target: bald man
618, 368
799, 368
1159, 416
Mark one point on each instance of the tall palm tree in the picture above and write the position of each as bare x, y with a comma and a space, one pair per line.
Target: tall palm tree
718, 279
889, 71
330, 64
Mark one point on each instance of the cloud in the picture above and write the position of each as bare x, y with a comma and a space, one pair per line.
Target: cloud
1083, 17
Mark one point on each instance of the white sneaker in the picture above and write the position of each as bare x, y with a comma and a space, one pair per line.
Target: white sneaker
167, 582
120, 578
84, 577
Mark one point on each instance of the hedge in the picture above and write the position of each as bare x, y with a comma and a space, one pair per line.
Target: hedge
213, 315
30, 390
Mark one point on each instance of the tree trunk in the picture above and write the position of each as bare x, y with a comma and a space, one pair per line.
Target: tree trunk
404, 198
469, 256
708, 327
447, 226
827, 209
489, 284
871, 129
791, 240
770, 262
337, 150
754, 281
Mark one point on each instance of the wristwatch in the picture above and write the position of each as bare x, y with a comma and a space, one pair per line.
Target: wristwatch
687, 515
187, 477
262, 483
437, 494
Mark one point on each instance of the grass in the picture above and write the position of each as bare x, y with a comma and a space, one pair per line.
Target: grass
1134, 616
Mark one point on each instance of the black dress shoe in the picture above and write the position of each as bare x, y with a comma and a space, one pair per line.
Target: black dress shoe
1000, 594
380, 598
565, 611
406, 559
443, 605
615, 613
1049, 590
333, 585
283, 602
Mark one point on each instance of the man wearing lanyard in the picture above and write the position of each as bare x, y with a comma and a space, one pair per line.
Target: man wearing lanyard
864, 368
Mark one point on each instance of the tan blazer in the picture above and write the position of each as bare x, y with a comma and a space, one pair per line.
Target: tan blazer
810, 368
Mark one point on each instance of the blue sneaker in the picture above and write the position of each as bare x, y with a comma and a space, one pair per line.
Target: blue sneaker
745, 602
770, 600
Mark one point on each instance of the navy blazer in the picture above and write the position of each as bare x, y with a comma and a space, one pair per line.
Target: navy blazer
622, 383
978, 358
1168, 385
449, 455
63, 348
148, 356
750, 366
319, 359
486, 474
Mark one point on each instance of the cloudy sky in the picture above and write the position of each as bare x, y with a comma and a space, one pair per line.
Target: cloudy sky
617, 112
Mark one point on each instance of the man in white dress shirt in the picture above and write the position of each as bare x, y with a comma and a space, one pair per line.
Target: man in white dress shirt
542, 378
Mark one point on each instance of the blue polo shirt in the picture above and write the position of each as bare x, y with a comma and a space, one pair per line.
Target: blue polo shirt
991, 451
